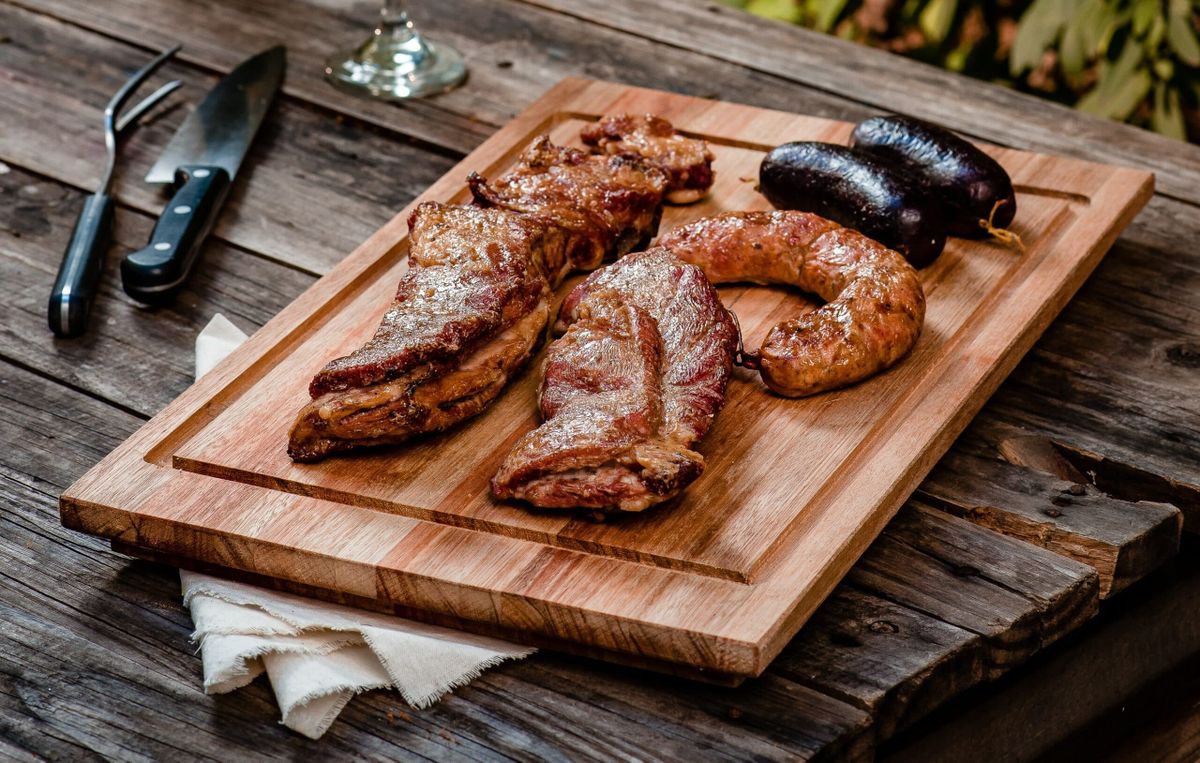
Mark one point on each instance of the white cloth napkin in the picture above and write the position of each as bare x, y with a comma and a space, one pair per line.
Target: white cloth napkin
317, 655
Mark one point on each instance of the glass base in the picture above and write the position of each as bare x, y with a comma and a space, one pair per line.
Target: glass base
397, 67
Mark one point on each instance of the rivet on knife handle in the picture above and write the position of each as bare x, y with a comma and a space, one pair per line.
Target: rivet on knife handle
153, 275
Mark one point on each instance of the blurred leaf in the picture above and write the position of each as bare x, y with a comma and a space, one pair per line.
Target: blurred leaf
1164, 69
1181, 35
1083, 34
1096, 18
783, 10
1167, 117
956, 60
826, 13
1122, 86
1037, 30
1157, 27
1120, 20
1144, 12
936, 18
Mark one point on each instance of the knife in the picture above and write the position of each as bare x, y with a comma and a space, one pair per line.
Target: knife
202, 159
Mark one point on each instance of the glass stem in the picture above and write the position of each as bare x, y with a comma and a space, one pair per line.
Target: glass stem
394, 21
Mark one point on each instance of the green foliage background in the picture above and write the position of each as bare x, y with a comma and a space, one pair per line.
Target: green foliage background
1132, 60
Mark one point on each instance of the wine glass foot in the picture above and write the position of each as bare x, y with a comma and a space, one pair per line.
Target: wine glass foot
396, 69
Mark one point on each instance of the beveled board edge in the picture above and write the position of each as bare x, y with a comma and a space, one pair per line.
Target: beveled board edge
765, 614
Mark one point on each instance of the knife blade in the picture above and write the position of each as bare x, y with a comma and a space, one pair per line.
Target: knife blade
201, 159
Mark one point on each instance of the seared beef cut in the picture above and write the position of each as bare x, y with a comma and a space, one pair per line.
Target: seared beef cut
469, 311
627, 391
472, 272
475, 302
687, 161
606, 205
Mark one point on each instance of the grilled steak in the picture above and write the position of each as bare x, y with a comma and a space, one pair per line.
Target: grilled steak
628, 390
687, 161
606, 205
468, 313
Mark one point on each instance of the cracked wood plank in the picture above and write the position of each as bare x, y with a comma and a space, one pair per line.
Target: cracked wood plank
1122, 541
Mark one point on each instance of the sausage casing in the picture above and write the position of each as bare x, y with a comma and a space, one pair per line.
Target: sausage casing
874, 304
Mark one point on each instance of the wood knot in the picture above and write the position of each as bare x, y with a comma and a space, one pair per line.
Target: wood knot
964, 570
1061, 500
1052, 513
1184, 355
883, 626
1077, 488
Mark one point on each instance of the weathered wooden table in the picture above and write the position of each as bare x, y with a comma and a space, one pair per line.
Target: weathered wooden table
1073, 485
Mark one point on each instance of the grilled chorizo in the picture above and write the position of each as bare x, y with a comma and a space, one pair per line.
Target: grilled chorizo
874, 304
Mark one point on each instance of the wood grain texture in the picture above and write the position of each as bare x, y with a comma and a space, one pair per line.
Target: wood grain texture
1124, 542
53, 127
1111, 376
95, 657
514, 52
1130, 647
416, 525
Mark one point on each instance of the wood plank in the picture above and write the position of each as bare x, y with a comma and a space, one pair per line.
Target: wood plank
755, 559
514, 52
1135, 641
41, 213
896, 663
1169, 243
1123, 541
1018, 597
1111, 382
897, 676
871, 76
96, 656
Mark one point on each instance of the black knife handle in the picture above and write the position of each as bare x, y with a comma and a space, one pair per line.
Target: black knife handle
79, 273
153, 275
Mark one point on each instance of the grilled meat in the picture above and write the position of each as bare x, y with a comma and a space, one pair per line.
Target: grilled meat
687, 161
472, 272
606, 205
418, 401
473, 305
628, 390
469, 311
874, 309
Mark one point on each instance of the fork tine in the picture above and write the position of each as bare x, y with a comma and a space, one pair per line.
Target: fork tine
132, 84
115, 104
130, 117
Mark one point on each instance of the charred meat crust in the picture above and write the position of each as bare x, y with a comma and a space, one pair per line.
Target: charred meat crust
425, 400
687, 161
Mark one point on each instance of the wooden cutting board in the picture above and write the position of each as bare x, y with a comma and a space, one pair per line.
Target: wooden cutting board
793, 493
